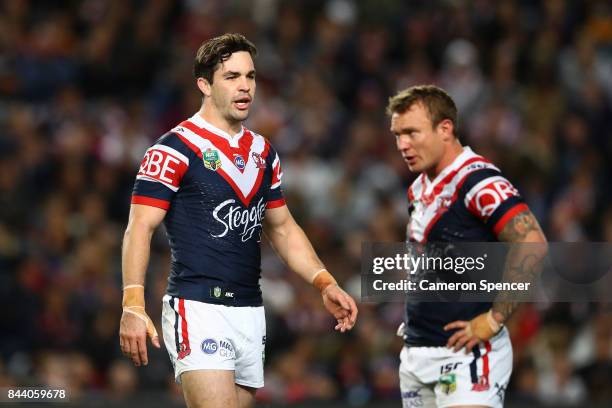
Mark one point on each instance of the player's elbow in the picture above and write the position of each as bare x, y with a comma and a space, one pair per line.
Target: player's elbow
138, 227
538, 241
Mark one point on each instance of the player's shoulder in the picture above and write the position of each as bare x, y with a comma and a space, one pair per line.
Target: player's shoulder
473, 163
257, 136
268, 149
181, 139
468, 167
485, 189
478, 173
170, 138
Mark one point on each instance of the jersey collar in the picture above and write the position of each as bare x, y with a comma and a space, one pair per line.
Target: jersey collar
458, 162
199, 121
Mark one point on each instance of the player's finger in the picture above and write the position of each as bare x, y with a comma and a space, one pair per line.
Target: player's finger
354, 310
125, 345
349, 322
135, 356
459, 324
471, 344
460, 343
453, 339
142, 351
344, 324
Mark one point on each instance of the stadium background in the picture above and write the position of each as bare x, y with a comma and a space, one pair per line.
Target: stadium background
87, 85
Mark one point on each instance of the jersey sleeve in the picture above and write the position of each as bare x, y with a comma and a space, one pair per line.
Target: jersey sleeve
491, 198
274, 196
161, 172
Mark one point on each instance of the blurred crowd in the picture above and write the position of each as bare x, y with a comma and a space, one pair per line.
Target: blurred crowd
86, 86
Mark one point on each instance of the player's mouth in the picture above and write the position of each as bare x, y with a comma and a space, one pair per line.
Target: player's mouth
243, 103
410, 160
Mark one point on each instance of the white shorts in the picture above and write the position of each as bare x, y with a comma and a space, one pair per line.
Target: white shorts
440, 377
204, 336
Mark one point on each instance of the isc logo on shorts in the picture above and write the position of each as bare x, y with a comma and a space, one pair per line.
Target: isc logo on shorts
210, 346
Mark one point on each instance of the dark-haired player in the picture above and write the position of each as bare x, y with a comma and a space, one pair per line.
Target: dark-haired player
213, 182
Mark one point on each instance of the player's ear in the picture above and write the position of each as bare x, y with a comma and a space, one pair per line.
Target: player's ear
204, 86
446, 128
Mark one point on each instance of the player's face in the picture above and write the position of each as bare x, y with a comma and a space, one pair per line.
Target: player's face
233, 87
420, 144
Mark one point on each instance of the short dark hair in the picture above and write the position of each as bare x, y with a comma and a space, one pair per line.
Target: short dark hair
435, 100
217, 50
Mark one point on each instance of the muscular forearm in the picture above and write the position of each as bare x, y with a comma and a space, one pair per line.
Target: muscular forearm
135, 253
523, 264
295, 249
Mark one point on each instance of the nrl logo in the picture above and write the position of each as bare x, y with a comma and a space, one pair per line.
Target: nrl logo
211, 159
217, 292
448, 383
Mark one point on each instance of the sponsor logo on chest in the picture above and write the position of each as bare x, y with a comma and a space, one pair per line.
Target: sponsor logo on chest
234, 217
239, 161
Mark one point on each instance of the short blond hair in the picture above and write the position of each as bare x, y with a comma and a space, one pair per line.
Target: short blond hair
435, 100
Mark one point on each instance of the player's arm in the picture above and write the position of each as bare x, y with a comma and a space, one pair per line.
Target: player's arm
135, 323
290, 242
523, 264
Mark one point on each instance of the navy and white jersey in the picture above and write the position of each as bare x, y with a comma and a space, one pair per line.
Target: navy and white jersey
468, 201
216, 189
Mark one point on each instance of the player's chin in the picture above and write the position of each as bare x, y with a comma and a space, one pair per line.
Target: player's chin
415, 167
240, 114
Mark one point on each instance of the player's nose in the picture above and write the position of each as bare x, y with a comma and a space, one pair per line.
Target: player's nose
403, 143
244, 84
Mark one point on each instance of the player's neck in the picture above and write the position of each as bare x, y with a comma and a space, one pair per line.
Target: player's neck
213, 117
452, 152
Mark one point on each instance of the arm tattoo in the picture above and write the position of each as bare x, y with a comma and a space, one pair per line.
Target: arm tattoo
523, 263
519, 226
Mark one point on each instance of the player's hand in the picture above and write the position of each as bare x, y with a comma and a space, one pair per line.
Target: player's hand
134, 328
341, 305
479, 329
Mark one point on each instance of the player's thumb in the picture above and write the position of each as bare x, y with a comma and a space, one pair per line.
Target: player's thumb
155, 341
152, 332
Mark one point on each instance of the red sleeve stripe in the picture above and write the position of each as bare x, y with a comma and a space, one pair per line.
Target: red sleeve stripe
276, 203
151, 202
499, 226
